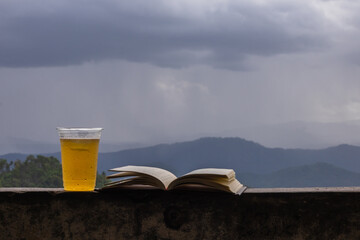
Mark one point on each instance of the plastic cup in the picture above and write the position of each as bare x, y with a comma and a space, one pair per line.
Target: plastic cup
79, 154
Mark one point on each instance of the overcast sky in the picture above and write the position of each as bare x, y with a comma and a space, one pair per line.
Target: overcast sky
152, 71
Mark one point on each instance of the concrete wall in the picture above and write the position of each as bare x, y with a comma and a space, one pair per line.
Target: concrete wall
152, 214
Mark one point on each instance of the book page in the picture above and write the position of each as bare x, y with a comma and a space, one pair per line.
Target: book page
149, 181
221, 179
221, 172
233, 186
164, 176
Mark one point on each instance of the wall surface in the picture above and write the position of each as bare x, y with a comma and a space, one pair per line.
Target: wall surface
332, 213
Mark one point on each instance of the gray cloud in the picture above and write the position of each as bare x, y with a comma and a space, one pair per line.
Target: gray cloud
158, 71
73, 32
142, 103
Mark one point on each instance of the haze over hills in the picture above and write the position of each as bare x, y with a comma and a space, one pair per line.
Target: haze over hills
258, 165
27, 146
236, 153
295, 134
301, 134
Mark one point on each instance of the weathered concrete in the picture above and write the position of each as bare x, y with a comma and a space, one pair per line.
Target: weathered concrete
312, 213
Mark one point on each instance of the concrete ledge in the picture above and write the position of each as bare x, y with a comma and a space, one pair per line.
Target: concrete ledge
301, 213
303, 190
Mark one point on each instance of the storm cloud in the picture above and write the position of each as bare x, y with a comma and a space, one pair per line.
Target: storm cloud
173, 34
282, 73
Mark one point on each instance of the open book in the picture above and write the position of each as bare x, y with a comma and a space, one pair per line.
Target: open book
206, 178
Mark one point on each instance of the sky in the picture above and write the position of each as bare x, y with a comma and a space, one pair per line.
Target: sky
152, 71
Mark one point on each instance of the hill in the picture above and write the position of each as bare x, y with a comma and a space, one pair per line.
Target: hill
236, 153
256, 165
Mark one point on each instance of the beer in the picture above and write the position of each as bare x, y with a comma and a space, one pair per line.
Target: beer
79, 163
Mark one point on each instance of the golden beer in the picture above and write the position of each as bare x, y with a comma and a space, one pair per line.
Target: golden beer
79, 163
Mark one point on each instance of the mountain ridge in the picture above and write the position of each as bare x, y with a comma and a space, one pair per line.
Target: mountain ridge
229, 152
255, 165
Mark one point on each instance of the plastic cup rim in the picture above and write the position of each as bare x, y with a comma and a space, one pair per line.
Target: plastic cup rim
78, 129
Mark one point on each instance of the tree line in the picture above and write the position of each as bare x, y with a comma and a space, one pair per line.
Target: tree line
39, 171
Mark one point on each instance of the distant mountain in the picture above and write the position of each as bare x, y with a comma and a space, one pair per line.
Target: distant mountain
14, 156
26, 146
255, 165
301, 134
315, 175
236, 153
